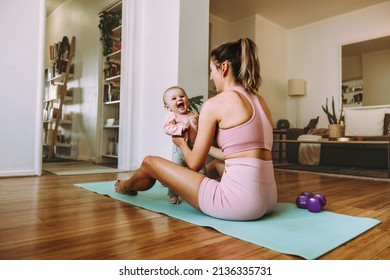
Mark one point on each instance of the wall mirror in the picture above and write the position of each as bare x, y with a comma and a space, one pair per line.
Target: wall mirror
365, 70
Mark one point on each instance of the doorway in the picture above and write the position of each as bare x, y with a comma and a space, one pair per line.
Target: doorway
78, 135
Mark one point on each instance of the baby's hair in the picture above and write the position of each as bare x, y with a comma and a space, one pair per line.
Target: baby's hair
243, 60
171, 88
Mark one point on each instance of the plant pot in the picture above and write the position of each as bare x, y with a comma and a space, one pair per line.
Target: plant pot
336, 131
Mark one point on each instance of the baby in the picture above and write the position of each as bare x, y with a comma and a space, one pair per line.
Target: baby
179, 121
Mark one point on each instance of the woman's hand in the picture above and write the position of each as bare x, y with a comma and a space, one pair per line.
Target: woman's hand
180, 141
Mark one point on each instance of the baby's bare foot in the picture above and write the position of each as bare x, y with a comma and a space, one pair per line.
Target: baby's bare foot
174, 199
121, 188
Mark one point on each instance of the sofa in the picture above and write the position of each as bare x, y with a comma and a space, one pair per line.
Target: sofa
364, 124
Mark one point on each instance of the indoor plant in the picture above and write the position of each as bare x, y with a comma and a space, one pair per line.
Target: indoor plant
62, 55
108, 21
195, 102
336, 125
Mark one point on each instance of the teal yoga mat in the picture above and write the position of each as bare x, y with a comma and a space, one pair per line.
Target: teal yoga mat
288, 229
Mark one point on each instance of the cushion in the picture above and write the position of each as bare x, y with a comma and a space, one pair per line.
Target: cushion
311, 125
386, 127
318, 131
364, 122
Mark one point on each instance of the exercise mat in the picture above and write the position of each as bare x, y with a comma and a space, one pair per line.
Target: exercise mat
288, 229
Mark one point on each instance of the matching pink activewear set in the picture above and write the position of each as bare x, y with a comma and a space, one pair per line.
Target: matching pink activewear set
247, 189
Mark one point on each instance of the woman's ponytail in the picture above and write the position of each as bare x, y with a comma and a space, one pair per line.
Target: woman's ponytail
243, 59
249, 74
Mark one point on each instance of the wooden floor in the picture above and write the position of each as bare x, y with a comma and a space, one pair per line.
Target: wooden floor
48, 218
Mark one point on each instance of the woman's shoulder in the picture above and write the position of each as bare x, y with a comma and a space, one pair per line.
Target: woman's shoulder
225, 96
227, 99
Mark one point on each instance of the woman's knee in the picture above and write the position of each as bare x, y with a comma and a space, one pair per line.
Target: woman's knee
151, 162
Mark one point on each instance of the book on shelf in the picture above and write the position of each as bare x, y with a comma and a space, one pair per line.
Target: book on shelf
116, 45
54, 51
111, 92
112, 69
51, 50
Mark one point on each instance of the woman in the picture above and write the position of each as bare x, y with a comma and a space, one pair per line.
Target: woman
240, 122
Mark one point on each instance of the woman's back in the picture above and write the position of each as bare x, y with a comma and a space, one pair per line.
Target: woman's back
249, 127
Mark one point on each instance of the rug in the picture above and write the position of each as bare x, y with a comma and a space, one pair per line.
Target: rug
339, 170
55, 159
77, 168
288, 229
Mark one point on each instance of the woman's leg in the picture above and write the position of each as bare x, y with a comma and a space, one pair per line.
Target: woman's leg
181, 180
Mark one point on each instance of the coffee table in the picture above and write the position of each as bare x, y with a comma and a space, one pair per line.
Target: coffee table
344, 140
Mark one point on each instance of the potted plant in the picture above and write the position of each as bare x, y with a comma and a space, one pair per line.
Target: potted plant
108, 21
336, 125
63, 54
195, 102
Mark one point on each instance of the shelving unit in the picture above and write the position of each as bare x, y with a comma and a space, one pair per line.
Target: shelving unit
352, 93
111, 91
57, 95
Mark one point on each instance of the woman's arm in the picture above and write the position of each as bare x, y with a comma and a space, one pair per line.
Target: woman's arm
216, 153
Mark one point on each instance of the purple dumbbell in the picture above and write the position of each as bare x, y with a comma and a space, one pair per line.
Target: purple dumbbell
321, 197
301, 199
315, 202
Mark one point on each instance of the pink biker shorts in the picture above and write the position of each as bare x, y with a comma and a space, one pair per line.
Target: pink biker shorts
247, 190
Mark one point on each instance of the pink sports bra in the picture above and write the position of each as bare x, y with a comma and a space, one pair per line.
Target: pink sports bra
256, 133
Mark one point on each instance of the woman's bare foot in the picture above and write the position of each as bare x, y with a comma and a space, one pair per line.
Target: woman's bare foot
174, 199
121, 188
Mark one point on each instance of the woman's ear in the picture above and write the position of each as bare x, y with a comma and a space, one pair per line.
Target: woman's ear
224, 68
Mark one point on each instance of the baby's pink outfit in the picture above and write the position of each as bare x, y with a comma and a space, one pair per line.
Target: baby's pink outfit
247, 190
175, 124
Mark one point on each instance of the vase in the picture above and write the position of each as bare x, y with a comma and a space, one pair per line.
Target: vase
336, 131
111, 146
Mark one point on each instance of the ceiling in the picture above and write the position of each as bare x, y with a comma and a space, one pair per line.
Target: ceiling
374, 45
51, 5
286, 13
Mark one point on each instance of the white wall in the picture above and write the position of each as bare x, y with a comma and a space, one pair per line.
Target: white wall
314, 54
376, 78
168, 53
351, 68
271, 40
219, 31
21, 75
157, 58
193, 46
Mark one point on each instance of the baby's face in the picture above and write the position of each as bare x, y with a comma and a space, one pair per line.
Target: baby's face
177, 101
